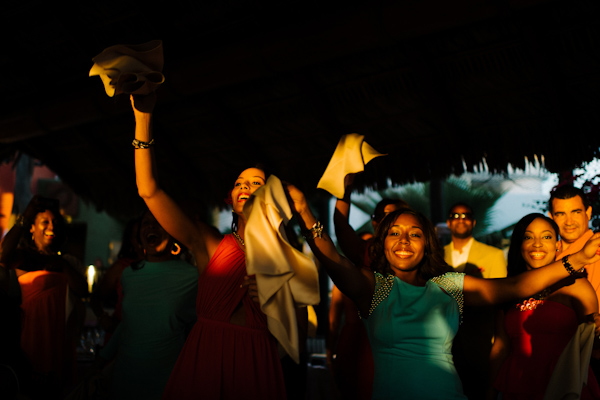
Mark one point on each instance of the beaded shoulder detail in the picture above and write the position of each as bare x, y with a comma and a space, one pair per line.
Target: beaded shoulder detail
383, 287
452, 284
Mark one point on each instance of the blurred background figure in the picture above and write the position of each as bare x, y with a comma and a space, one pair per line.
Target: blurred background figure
158, 310
52, 289
473, 342
108, 293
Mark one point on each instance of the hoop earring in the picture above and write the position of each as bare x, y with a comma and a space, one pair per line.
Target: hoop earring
176, 249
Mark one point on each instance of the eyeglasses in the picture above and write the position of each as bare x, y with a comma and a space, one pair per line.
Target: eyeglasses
468, 216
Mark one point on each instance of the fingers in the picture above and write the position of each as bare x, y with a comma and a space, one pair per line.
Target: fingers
250, 284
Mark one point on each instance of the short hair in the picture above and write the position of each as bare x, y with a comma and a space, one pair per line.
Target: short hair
433, 263
565, 192
463, 205
516, 263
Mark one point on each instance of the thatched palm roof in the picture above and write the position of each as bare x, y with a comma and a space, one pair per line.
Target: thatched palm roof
438, 85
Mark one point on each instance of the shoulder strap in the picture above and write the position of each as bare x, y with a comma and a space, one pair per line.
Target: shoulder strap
452, 284
383, 287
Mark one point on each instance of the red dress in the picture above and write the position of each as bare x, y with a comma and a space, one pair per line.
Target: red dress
221, 360
43, 328
353, 365
537, 339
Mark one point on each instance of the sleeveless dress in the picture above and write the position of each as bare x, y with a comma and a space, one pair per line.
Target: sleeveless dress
411, 329
221, 360
158, 311
537, 339
353, 365
43, 329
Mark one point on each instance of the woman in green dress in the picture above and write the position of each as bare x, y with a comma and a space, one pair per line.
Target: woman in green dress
411, 302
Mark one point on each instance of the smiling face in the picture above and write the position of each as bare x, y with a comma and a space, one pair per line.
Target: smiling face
572, 218
539, 244
154, 239
246, 184
42, 231
405, 245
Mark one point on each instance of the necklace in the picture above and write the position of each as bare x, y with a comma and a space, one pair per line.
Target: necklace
532, 303
239, 239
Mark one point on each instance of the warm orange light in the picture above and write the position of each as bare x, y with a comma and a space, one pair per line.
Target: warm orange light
91, 272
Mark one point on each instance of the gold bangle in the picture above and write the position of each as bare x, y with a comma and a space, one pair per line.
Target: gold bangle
138, 144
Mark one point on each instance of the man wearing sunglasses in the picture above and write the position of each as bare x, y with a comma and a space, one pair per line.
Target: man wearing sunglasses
468, 255
473, 342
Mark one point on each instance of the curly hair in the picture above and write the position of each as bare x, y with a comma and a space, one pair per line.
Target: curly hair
37, 205
516, 263
431, 265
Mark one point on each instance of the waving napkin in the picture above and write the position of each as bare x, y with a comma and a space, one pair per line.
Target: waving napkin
350, 156
132, 69
286, 278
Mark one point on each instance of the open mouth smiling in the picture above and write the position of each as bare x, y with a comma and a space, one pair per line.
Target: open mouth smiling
243, 197
403, 253
537, 255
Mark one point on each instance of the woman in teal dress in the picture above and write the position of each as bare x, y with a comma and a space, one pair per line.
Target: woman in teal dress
411, 302
158, 310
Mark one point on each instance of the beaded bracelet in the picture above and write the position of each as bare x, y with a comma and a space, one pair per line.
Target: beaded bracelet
569, 268
138, 144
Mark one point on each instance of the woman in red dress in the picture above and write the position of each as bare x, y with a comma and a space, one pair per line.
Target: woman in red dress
50, 284
534, 332
230, 353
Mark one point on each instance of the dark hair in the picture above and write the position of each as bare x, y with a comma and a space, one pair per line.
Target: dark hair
130, 242
516, 263
568, 192
39, 204
141, 258
379, 212
433, 263
234, 221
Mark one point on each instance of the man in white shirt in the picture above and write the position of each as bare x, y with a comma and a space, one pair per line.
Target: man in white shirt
464, 253
473, 342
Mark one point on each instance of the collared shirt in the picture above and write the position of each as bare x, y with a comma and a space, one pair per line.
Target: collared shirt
593, 270
460, 257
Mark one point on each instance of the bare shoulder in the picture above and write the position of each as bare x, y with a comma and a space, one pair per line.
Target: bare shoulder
579, 288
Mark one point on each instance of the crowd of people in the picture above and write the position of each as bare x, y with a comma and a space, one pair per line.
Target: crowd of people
408, 317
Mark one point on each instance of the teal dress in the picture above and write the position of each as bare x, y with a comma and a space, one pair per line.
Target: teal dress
159, 302
411, 329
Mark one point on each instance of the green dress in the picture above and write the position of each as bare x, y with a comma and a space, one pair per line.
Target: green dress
158, 310
411, 329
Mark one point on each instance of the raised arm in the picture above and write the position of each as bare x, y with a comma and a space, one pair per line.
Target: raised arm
200, 238
356, 283
351, 244
495, 291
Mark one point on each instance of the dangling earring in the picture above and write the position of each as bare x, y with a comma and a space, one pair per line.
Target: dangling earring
176, 249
